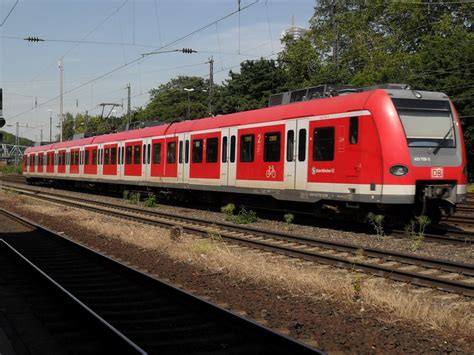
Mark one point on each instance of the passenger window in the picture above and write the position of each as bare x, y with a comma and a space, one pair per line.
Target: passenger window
136, 154
186, 153
271, 148
113, 156
211, 150
224, 150
180, 153
171, 156
197, 151
86, 158
46, 159
354, 130
247, 144
232, 149
128, 158
302, 145
144, 154
107, 156
157, 153
323, 144
290, 145
148, 153
94, 157
123, 154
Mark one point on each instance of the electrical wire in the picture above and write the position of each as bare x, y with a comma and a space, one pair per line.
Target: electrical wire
9, 13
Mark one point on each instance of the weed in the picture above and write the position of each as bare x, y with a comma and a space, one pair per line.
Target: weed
134, 198
11, 169
376, 220
150, 201
415, 231
213, 235
357, 287
126, 195
228, 210
245, 217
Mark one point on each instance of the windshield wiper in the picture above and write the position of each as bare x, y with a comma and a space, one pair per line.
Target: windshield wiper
443, 141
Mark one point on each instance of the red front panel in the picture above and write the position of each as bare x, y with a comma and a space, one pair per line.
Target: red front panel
263, 166
90, 160
74, 161
50, 166
133, 156
205, 155
157, 157
61, 161
171, 157
110, 159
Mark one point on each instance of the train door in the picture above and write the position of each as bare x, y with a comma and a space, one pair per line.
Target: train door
225, 147
232, 157
301, 154
290, 155
352, 152
186, 157
181, 156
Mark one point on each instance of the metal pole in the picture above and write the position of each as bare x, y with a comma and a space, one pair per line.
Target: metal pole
17, 143
211, 83
129, 107
50, 126
41, 135
189, 105
61, 88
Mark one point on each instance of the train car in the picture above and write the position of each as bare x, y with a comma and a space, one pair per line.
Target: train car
391, 150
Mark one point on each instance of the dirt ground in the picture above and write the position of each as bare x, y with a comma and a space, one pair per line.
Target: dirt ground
324, 321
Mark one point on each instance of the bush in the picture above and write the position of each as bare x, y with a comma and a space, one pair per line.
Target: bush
228, 210
150, 201
376, 220
11, 169
245, 217
135, 198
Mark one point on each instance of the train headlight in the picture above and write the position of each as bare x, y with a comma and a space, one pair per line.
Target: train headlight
399, 170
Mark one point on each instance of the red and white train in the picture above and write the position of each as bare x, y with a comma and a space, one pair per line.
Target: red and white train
376, 149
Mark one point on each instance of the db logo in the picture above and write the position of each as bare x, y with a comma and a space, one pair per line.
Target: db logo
437, 173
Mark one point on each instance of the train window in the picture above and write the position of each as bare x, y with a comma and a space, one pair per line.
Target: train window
323, 144
94, 157
107, 156
232, 149
46, 159
148, 153
113, 156
290, 145
247, 145
302, 145
212, 145
353, 130
180, 153
86, 157
224, 150
197, 151
186, 153
123, 154
136, 154
144, 154
128, 158
157, 153
271, 148
171, 153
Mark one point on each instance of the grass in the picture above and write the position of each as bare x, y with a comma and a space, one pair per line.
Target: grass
11, 169
291, 276
470, 188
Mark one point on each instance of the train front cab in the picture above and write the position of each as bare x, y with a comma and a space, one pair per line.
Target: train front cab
424, 160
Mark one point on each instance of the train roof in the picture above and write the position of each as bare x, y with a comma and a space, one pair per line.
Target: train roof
323, 106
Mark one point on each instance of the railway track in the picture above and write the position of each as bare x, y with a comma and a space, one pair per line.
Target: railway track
434, 273
137, 312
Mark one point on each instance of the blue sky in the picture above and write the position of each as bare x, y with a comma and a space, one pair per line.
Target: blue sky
125, 30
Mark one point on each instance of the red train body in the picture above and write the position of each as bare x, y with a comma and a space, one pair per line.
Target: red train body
383, 148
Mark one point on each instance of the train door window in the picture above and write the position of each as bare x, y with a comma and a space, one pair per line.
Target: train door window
212, 150
136, 154
290, 145
302, 145
180, 152
107, 156
46, 159
353, 130
123, 155
113, 156
271, 148
224, 150
128, 158
94, 157
186, 153
247, 145
171, 153
197, 151
148, 154
232, 149
86, 157
157, 153
323, 144
144, 154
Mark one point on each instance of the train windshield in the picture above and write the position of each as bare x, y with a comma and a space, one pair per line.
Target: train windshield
427, 123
